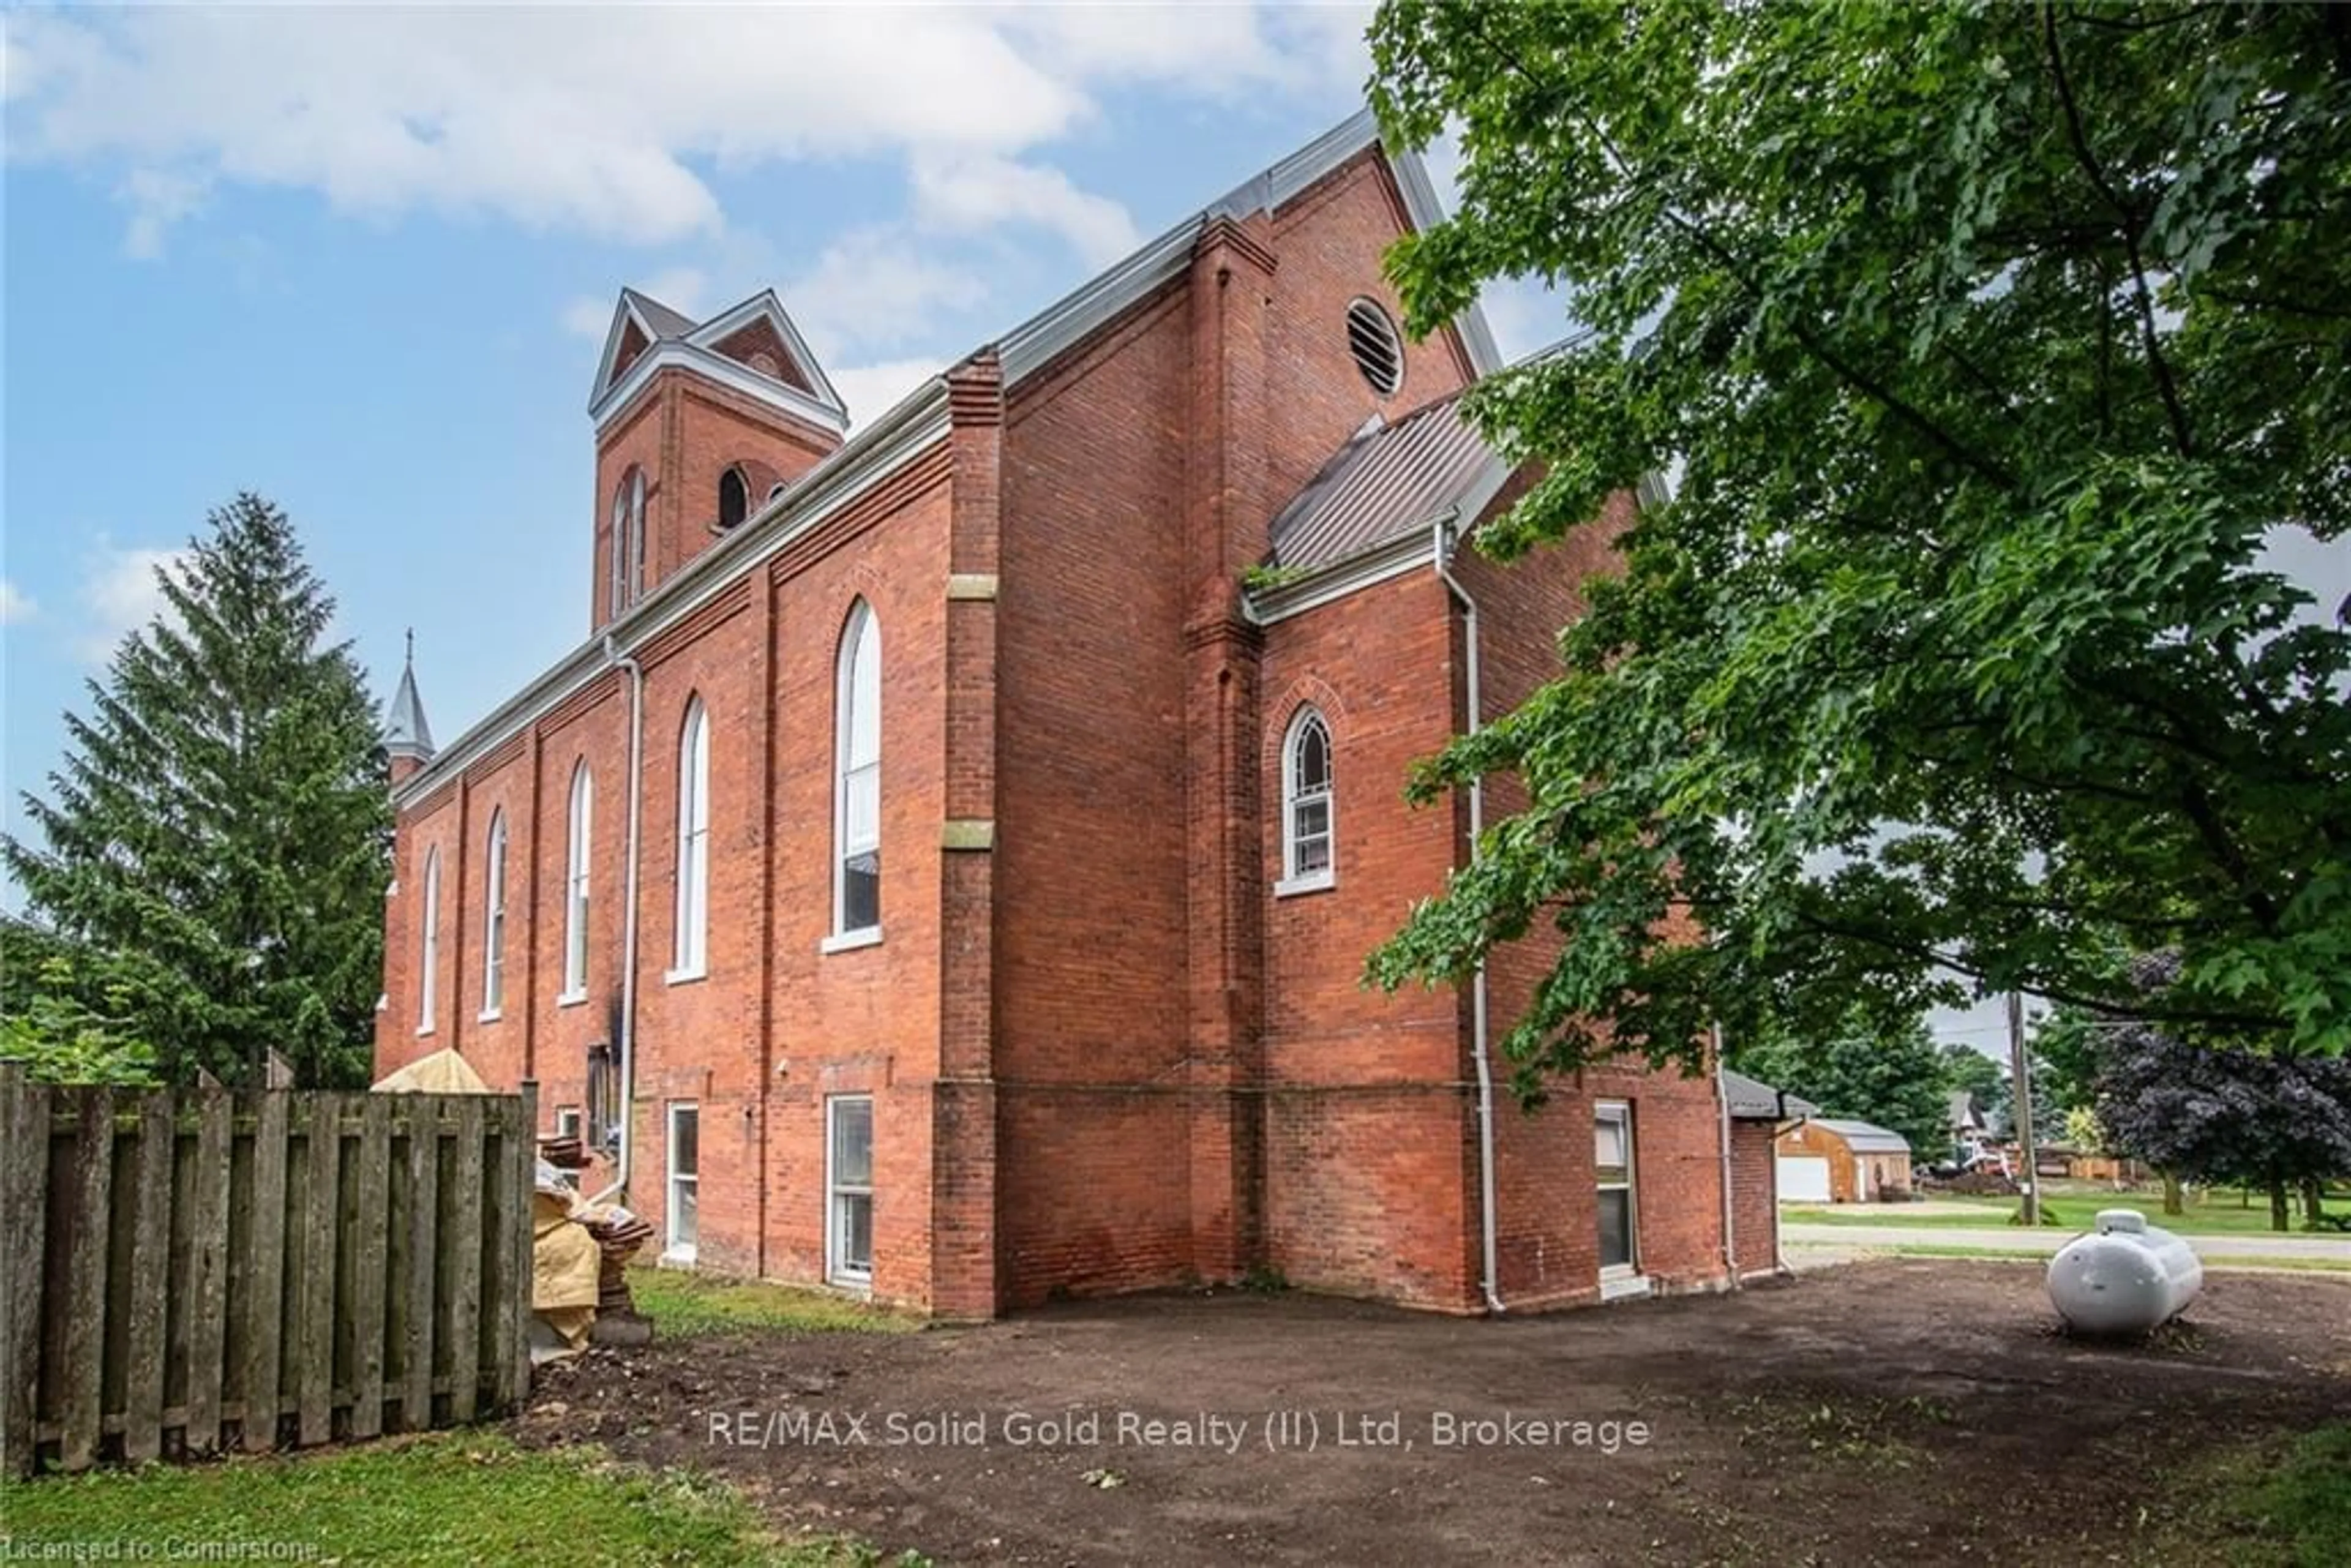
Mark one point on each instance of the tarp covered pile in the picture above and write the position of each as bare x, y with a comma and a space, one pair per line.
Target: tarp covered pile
580, 1251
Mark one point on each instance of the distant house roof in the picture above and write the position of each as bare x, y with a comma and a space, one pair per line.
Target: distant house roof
1753, 1100
1863, 1137
1389, 480
1963, 1114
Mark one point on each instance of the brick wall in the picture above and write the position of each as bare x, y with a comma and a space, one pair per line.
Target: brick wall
1370, 1192
1549, 1244
1102, 1054
1754, 1198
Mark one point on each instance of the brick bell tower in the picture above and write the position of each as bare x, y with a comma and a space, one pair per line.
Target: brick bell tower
701, 426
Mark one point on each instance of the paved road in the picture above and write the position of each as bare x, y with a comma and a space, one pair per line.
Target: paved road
2013, 1239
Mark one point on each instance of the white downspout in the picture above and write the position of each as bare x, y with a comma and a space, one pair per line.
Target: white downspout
1478, 1030
627, 1065
1723, 1104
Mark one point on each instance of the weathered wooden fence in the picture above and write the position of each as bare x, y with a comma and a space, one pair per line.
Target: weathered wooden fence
182, 1273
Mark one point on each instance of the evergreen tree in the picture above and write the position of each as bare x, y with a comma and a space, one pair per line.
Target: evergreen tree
219, 843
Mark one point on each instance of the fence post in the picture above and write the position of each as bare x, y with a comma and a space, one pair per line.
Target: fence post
522, 1185
24, 1218
265, 1301
208, 1225
462, 1284
150, 1279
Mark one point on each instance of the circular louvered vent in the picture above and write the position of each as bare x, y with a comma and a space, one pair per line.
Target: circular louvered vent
1379, 352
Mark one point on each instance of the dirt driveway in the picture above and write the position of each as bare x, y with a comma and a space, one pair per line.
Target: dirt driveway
1912, 1411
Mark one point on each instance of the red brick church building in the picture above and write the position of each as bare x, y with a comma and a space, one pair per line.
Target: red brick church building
945, 870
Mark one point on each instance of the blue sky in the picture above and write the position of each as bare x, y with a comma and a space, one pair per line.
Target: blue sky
362, 262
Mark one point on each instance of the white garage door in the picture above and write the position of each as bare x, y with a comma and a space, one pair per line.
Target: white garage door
1803, 1178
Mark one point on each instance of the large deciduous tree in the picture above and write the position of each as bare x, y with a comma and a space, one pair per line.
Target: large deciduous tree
2263, 1118
218, 839
1987, 346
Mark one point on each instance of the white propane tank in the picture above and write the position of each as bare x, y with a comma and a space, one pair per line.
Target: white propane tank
2124, 1277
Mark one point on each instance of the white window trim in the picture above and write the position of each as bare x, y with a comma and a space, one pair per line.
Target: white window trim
569, 1119
1617, 1274
862, 620
1294, 882
579, 818
836, 1271
690, 946
493, 923
673, 1252
850, 941
429, 981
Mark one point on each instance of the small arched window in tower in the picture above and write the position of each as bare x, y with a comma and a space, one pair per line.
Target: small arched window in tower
636, 535
734, 498
1379, 352
619, 548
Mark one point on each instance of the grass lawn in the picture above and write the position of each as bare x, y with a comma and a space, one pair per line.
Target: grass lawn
685, 1305
2281, 1506
456, 1497
461, 1497
2076, 1206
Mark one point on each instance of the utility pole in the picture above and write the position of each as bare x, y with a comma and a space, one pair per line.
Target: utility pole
2020, 1068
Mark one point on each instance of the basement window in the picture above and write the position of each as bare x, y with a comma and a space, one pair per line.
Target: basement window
1611, 1158
848, 1189
684, 1181
1372, 338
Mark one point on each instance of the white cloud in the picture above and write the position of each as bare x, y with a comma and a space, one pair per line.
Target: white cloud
1222, 51
17, 606
964, 192
158, 198
877, 288
119, 594
872, 391
593, 121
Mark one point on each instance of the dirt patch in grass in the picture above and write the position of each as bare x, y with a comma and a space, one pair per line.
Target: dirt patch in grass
1905, 1410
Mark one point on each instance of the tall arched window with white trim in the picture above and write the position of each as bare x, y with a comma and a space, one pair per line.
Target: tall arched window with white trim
575, 885
636, 535
857, 793
429, 958
693, 843
1306, 804
494, 919
618, 598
